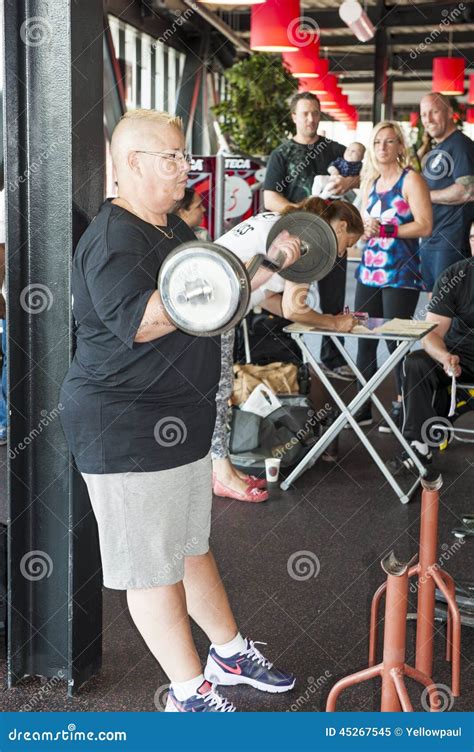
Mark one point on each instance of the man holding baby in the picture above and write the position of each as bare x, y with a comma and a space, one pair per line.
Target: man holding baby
291, 172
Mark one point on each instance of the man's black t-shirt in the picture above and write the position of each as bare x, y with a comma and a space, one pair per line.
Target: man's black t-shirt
128, 406
451, 159
292, 167
453, 296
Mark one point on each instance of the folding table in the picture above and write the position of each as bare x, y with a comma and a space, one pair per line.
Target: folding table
303, 335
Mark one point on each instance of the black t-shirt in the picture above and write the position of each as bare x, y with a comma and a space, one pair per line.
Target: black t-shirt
128, 406
451, 159
292, 167
453, 296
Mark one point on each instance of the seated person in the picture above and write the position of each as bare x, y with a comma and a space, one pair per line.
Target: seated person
448, 350
347, 166
293, 301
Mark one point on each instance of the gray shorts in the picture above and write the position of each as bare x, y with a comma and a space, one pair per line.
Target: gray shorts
149, 522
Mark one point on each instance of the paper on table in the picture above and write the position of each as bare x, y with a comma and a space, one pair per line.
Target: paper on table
403, 327
361, 329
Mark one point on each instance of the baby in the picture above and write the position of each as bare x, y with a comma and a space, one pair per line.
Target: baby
346, 166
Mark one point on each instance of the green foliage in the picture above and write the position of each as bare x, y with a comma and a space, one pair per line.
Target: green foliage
255, 114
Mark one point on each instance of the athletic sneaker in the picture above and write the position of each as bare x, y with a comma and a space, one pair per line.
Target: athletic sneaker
247, 667
205, 700
344, 373
363, 417
404, 463
396, 415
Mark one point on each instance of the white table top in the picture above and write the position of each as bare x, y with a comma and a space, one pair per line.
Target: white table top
420, 330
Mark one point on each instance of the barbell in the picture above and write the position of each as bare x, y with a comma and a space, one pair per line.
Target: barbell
205, 288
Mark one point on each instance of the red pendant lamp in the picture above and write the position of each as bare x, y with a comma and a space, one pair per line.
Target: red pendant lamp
448, 75
470, 115
414, 119
272, 25
470, 94
305, 62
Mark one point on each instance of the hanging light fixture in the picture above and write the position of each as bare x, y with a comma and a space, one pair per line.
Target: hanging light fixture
470, 94
305, 62
448, 75
272, 24
470, 115
355, 17
414, 118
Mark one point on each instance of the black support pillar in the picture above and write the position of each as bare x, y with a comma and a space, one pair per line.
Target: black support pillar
380, 78
54, 179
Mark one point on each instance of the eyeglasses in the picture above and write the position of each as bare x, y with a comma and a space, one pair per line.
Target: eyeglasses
178, 157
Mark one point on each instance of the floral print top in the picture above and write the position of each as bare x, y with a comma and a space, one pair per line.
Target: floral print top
390, 262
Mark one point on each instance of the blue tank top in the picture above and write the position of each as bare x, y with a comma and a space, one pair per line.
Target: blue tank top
390, 262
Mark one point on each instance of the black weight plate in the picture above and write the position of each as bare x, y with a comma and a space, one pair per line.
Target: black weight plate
321, 246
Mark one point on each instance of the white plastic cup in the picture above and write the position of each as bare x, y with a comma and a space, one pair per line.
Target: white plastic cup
272, 469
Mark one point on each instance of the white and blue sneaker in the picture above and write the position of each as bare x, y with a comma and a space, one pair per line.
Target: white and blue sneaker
205, 700
247, 667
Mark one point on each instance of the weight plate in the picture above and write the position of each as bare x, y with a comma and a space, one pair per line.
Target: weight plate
203, 287
320, 246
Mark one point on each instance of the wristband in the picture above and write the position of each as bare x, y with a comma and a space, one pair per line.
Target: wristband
388, 230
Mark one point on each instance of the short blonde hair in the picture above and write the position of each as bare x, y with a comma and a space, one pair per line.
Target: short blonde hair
153, 116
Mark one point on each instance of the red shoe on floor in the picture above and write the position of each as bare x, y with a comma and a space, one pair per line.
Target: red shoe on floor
254, 482
252, 494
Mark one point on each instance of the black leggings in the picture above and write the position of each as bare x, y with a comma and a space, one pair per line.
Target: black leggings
382, 303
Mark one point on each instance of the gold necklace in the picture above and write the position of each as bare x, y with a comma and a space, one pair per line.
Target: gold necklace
170, 236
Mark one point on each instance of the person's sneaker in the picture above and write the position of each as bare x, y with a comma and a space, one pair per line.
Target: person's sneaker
404, 463
206, 700
396, 415
247, 667
344, 373
363, 417
3, 436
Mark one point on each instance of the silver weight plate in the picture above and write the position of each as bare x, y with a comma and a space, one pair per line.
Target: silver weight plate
203, 287
319, 246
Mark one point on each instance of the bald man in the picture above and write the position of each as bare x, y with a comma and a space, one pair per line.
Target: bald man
449, 171
139, 411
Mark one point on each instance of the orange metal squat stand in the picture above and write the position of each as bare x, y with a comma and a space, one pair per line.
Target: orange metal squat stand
393, 667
